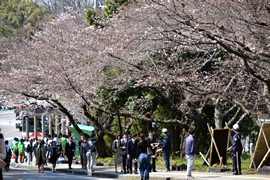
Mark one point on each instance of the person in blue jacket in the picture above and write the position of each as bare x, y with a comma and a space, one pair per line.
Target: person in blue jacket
190, 152
237, 150
91, 152
166, 148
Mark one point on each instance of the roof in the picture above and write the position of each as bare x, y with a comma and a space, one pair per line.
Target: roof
84, 128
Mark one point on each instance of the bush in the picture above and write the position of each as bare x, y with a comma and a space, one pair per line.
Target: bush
245, 155
110, 163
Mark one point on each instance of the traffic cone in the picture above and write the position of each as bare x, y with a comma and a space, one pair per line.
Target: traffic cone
13, 156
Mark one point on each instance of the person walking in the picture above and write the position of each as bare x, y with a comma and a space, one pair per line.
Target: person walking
132, 153
237, 150
25, 141
8, 156
123, 147
35, 146
151, 142
3, 152
53, 154
57, 141
21, 147
49, 141
190, 151
63, 144
83, 152
29, 151
60, 144
70, 149
166, 148
47, 146
15, 148
129, 137
143, 157
117, 152
41, 156
91, 152
79, 145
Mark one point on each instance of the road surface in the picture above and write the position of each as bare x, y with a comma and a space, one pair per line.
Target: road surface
7, 126
30, 174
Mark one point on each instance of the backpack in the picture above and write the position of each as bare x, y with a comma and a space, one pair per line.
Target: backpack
35, 149
114, 146
9, 153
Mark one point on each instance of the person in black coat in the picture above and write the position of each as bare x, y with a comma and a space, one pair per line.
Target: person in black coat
129, 137
123, 147
151, 140
70, 149
132, 153
79, 145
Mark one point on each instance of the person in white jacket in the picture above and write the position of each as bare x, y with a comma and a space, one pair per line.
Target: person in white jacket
57, 140
3, 152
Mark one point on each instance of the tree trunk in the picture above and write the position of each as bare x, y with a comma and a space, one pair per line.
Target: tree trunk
171, 130
149, 127
182, 144
177, 138
218, 115
100, 145
144, 127
119, 124
266, 94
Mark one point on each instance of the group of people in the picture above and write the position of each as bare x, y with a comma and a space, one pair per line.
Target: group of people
237, 148
42, 150
87, 149
128, 150
23, 150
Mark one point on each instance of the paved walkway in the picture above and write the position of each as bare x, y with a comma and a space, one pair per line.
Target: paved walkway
104, 171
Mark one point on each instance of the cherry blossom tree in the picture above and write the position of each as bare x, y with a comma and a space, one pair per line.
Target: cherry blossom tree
204, 26
62, 60
184, 54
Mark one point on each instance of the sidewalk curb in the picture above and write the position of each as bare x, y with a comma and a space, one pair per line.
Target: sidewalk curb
104, 175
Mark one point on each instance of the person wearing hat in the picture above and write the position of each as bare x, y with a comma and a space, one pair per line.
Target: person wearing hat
237, 150
166, 148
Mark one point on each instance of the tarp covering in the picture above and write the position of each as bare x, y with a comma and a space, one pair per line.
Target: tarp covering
86, 129
221, 137
261, 155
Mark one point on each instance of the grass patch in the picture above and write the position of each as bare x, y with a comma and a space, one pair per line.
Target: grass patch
198, 165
